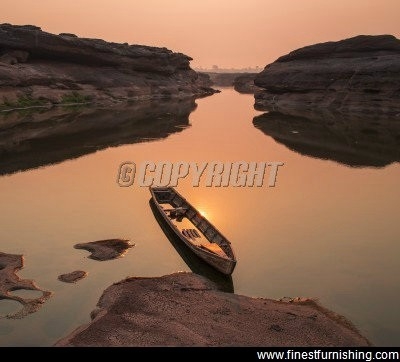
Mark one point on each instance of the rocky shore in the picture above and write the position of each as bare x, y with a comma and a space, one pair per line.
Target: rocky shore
356, 76
185, 309
245, 83
10, 282
336, 100
42, 69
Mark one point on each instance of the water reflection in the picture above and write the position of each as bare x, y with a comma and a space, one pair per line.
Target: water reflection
288, 239
37, 139
353, 140
196, 265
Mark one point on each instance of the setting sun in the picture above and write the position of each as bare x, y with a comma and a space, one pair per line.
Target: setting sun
203, 213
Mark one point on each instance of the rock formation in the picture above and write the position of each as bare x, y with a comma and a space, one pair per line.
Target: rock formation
245, 83
185, 309
73, 277
9, 281
38, 68
242, 82
337, 100
360, 75
105, 249
222, 79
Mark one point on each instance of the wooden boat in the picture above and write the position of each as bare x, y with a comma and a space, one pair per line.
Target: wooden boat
198, 234
194, 263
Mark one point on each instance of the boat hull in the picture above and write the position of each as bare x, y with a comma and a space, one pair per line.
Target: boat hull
223, 265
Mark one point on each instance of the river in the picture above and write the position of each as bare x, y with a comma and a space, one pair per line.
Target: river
326, 230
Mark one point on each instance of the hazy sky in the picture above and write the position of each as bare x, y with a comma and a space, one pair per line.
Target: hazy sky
229, 33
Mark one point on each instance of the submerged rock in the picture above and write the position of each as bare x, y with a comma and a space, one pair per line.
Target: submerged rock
242, 82
106, 249
39, 67
357, 75
185, 309
73, 277
9, 281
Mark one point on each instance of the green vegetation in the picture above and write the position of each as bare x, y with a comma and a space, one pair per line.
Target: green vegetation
24, 101
75, 97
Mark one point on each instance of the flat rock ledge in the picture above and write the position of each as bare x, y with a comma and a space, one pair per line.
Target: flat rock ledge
185, 309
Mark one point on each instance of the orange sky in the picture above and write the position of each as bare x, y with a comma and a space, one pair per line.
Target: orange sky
229, 33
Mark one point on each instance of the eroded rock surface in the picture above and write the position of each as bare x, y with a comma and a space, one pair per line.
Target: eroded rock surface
39, 68
185, 309
356, 75
106, 249
9, 281
73, 277
245, 83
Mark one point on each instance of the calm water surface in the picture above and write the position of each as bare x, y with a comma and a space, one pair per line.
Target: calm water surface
326, 230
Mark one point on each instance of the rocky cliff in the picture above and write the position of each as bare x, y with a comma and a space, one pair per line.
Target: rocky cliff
356, 75
38, 68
